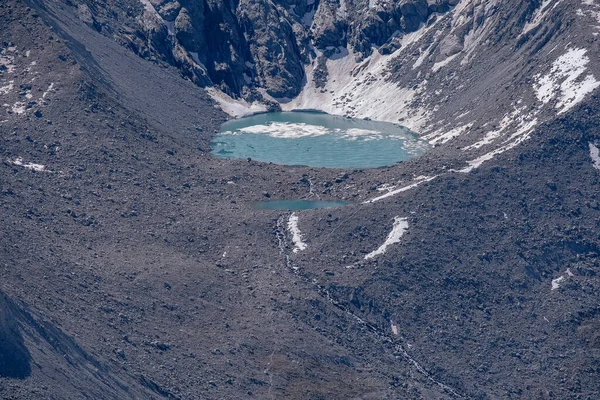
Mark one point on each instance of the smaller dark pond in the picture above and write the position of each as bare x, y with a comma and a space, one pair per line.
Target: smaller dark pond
299, 205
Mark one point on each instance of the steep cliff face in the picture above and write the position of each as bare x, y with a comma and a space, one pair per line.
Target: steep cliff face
243, 46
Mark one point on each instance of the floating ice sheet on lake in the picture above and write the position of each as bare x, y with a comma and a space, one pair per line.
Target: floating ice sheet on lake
317, 139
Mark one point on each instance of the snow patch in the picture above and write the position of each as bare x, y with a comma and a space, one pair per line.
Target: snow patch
7, 61
446, 137
35, 167
595, 155
398, 229
299, 245
50, 89
556, 282
18, 107
195, 57
170, 27
437, 66
7, 88
386, 187
148, 6
361, 90
236, 108
517, 116
517, 138
424, 54
402, 189
563, 82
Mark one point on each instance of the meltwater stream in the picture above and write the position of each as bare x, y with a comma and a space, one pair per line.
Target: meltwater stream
317, 140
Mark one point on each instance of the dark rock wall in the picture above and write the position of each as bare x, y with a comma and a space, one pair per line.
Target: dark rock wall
14, 356
241, 46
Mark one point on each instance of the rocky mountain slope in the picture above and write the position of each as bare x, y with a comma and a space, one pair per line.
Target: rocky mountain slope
132, 264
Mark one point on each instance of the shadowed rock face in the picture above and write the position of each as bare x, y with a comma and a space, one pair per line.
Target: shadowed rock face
14, 356
240, 46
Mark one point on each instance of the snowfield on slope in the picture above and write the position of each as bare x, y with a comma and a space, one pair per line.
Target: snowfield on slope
565, 82
299, 244
400, 226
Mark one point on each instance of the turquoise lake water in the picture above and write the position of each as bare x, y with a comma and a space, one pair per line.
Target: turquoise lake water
299, 205
317, 140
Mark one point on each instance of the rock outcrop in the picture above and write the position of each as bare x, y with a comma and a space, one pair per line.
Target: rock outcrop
248, 45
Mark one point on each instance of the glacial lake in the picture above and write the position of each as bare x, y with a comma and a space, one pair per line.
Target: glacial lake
299, 205
316, 140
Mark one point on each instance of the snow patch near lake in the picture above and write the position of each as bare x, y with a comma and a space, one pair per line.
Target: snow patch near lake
402, 189
515, 139
400, 226
361, 90
299, 244
236, 108
595, 155
565, 82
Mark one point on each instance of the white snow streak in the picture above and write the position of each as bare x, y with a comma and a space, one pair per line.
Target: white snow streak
446, 137
517, 138
50, 88
402, 189
443, 63
595, 155
539, 15
398, 229
35, 167
299, 245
